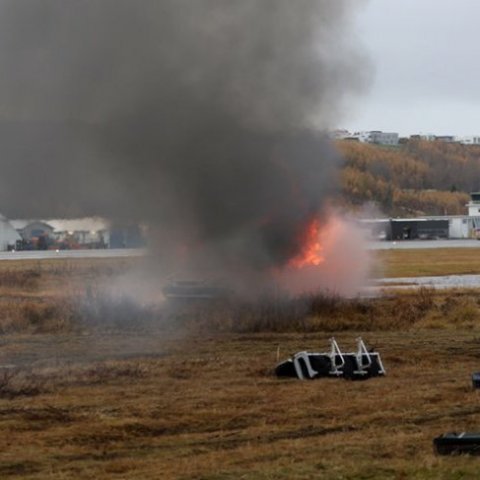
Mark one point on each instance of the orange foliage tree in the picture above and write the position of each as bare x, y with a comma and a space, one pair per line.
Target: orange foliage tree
419, 177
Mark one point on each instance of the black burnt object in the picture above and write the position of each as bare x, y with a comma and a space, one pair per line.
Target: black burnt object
476, 380
358, 365
194, 290
457, 444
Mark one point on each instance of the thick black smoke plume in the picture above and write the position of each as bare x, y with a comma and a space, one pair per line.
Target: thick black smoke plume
195, 117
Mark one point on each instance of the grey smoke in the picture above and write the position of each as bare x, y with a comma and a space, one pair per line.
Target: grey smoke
195, 117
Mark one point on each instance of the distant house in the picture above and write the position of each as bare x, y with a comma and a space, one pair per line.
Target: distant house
384, 138
34, 234
445, 138
465, 140
377, 137
429, 137
31, 229
470, 140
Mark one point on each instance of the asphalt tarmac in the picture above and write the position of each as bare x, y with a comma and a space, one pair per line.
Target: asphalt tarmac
134, 252
50, 254
416, 244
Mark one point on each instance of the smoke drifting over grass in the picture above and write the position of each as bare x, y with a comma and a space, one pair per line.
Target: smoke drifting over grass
196, 117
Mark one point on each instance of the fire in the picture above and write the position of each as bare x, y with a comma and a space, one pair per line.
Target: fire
311, 253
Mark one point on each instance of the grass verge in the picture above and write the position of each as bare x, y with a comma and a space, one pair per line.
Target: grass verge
426, 262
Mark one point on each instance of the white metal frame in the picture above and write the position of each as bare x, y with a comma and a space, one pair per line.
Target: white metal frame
298, 368
363, 352
336, 354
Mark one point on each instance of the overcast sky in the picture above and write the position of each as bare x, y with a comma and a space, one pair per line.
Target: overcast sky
426, 61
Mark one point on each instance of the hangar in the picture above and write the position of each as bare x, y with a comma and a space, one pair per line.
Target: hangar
454, 227
418, 228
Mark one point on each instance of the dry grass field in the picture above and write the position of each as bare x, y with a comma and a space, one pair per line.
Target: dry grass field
436, 261
192, 395
211, 409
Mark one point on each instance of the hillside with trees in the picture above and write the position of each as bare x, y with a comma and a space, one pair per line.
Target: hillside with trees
415, 178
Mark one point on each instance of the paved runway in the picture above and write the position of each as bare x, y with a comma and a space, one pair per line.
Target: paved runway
411, 244
134, 252
50, 254
440, 281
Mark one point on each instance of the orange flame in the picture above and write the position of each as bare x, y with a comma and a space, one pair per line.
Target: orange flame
311, 253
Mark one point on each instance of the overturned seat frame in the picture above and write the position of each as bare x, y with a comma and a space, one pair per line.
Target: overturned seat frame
357, 365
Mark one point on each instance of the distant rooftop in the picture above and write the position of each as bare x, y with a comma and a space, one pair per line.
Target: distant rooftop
89, 224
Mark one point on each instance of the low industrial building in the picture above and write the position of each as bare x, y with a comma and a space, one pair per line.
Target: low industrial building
446, 226
34, 235
30, 229
427, 228
87, 232
422, 228
67, 234
60, 234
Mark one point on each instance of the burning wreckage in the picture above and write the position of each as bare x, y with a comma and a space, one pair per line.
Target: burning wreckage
358, 365
194, 290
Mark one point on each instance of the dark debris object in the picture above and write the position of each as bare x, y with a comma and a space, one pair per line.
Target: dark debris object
457, 444
358, 365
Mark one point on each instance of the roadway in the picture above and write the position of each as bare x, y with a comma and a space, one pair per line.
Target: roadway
51, 254
412, 244
135, 252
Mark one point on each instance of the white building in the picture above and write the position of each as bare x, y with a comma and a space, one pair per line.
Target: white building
384, 138
461, 227
8, 235
470, 140
29, 229
377, 137
83, 231
430, 137
474, 205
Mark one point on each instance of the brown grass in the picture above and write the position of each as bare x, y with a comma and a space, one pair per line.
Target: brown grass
404, 310
70, 298
99, 387
211, 409
425, 262
49, 296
